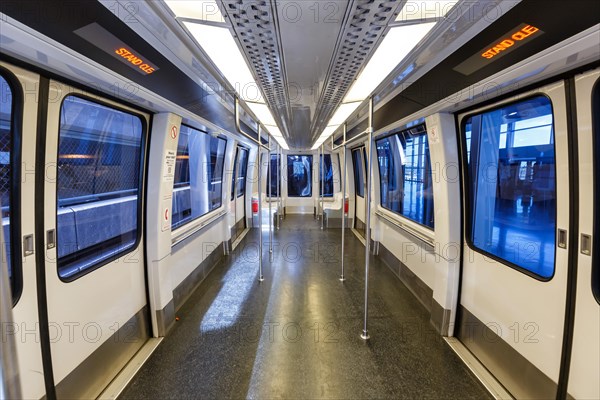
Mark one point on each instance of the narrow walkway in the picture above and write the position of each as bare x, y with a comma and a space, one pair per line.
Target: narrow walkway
296, 335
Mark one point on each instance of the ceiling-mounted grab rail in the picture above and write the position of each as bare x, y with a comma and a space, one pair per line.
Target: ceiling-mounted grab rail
239, 128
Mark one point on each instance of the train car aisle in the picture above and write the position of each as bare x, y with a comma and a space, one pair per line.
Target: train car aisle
296, 335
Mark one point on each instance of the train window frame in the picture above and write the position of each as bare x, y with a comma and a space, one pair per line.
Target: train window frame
309, 171
16, 128
99, 247
190, 224
595, 111
419, 130
465, 159
241, 190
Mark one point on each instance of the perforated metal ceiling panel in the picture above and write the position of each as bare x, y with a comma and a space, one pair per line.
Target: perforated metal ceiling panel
363, 30
255, 27
327, 43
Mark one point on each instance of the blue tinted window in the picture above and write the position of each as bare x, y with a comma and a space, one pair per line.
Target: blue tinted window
327, 189
241, 172
233, 176
405, 175
511, 181
359, 173
273, 175
98, 184
6, 178
299, 176
198, 183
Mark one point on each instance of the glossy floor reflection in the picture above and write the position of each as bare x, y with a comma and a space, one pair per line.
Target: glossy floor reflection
296, 335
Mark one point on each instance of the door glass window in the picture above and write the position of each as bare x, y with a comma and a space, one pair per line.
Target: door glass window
299, 175
98, 184
327, 189
511, 181
241, 172
233, 176
198, 183
273, 175
359, 173
6, 182
405, 175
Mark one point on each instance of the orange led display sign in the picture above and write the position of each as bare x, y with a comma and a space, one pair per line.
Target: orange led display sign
134, 60
115, 47
509, 42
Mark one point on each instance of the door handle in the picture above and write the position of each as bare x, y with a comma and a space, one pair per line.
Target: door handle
586, 244
27, 245
562, 238
50, 239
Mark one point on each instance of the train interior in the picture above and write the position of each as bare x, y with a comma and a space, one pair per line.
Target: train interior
300, 199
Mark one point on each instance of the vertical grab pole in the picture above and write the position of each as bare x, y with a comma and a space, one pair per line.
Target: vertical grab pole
270, 199
322, 165
260, 242
342, 278
282, 216
278, 185
365, 333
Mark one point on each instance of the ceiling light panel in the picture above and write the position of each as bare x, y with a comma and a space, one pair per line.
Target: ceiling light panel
343, 112
392, 50
262, 112
220, 46
421, 10
205, 10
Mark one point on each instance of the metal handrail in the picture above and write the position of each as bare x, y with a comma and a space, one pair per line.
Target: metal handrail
239, 128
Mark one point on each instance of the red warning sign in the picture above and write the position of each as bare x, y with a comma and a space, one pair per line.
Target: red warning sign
166, 214
173, 132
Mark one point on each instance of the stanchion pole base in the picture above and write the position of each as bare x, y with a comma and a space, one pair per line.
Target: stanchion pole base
365, 335
342, 279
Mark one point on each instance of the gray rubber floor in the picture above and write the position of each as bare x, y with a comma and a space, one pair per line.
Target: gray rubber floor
297, 334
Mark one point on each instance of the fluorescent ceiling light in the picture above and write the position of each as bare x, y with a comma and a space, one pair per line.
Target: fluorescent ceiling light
395, 46
218, 43
206, 10
419, 10
328, 131
262, 112
343, 112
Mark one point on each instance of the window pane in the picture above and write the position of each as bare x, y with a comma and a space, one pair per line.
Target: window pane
234, 176
359, 181
328, 188
198, 181
405, 173
242, 171
6, 133
512, 184
299, 176
273, 175
99, 157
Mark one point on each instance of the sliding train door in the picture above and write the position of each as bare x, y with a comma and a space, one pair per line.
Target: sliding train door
585, 358
18, 125
238, 192
516, 238
95, 153
360, 184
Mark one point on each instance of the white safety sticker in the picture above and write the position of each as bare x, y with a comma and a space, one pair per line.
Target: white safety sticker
169, 172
